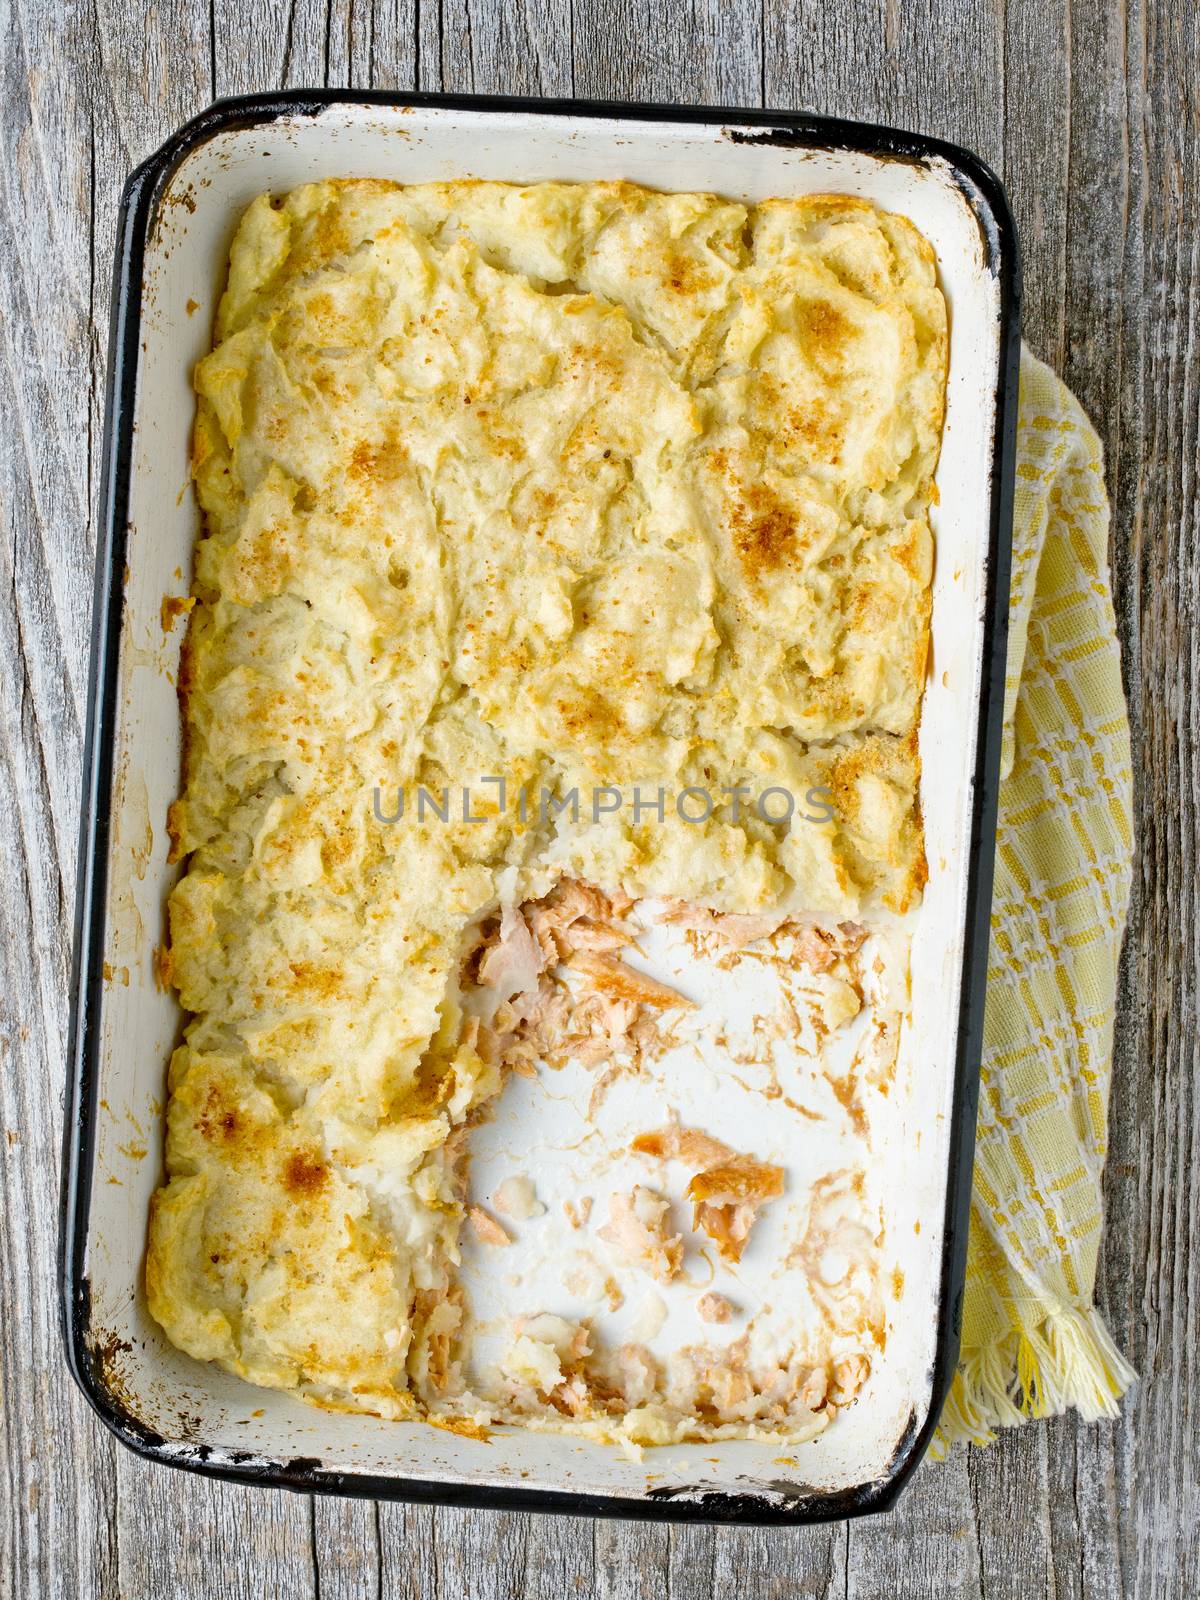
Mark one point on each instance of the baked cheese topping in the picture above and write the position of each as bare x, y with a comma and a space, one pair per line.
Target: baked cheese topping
580, 487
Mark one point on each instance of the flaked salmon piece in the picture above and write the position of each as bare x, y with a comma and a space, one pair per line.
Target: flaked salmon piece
819, 948
538, 1014
689, 1145
578, 1211
604, 1082
714, 1308
486, 1042
589, 1052
734, 929
516, 961
849, 1375
572, 898
519, 1058
739, 1179
616, 1020
545, 934
620, 904
570, 915
514, 1053
437, 1320
814, 1388
598, 1028
648, 1037
608, 1014
815, 949
454, 1158
573, 1396
547, 1018
638, 1372
637, 1230
487, 1229
726, 1199
616, 978
510, 1036
601, 938
731, 1388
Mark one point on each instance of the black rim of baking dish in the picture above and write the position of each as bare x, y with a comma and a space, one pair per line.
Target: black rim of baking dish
773, 1503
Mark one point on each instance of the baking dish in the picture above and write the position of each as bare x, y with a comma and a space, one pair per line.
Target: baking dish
177, 217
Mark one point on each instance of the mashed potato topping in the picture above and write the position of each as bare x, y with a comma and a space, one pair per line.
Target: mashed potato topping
569, 486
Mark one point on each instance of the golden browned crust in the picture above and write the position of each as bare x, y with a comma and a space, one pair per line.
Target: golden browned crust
577, 484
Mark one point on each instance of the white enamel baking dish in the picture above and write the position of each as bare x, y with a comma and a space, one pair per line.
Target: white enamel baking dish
178, 215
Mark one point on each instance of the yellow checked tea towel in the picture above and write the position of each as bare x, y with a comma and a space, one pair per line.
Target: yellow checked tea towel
1033, 1342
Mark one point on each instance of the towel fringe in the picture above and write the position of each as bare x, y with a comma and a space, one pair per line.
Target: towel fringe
1068, 1360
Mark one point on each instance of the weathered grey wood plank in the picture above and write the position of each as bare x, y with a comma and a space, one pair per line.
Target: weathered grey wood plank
266, 46
408, 1553
1144, 382
921, 64
47, 294
378, 45
448, 1552
1100, 100
523, 48
767, 1563
346, 1548
1037, 146
709, 51
631, 1556
928, 1545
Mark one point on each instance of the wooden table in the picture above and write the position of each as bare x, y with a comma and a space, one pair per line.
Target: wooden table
1089, 112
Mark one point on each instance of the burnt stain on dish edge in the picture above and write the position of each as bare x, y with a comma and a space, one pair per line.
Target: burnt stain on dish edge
803, 139
905, 1442
769, 1495
773, 1492
907, 151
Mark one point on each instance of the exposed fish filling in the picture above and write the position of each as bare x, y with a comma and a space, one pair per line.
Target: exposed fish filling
556, 979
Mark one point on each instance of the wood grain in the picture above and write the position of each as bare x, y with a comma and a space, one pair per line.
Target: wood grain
1088, 109
49, 1532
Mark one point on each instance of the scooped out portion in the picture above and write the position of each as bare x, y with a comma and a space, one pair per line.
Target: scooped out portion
554, 983
562, 598
667, 1241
